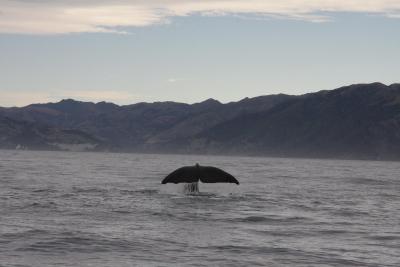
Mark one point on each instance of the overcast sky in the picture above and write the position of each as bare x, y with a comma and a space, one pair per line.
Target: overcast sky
157, 50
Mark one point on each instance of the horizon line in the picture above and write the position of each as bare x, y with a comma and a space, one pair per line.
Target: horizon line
191, 103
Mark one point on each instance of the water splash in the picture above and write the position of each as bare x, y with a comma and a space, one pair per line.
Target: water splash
191, 188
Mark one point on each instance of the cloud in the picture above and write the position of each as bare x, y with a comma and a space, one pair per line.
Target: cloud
102, 95
23, 98
173, 80
67, 16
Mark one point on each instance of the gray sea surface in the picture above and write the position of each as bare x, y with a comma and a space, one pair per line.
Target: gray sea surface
109, 209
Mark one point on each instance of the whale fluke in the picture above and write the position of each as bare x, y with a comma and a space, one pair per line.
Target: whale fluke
206, 174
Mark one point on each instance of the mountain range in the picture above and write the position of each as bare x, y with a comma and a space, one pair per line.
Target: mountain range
360, 121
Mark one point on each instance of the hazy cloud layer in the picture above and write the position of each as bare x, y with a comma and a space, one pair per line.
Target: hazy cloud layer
26, 97
74, 16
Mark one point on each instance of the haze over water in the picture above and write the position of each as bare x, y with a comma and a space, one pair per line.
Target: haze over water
99, 209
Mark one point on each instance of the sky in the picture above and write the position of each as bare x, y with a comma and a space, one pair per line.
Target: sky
187, 51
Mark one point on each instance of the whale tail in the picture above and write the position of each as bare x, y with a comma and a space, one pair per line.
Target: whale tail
206, 174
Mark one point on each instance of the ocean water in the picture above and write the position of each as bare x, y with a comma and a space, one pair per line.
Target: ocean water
106, 209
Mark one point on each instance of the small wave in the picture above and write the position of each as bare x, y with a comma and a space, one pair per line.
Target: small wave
279, 233
366, 181
333, 232
257, 197
146, 191
40, 205
89, 190
384, 237
67, 195
143, 191
252, 249
173, 216
24, 234
44, 190
256, 219
17, 265
350, 213
78, 242
122, 211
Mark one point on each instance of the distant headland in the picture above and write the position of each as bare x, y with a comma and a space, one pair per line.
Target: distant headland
360, 121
